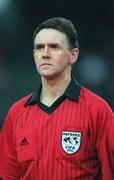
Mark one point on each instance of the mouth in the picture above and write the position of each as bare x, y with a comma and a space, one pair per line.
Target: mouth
45, 64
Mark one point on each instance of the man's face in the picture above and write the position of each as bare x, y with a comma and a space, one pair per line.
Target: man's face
51, 53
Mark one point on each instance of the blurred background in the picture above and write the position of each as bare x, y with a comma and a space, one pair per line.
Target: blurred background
95, 24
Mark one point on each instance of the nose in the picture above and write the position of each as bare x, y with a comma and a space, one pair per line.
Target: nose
46, 53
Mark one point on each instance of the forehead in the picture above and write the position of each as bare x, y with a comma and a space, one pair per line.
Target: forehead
50, 36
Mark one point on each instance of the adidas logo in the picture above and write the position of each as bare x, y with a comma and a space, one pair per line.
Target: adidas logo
24, 141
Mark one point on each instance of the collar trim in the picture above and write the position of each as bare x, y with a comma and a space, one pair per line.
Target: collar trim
72, 92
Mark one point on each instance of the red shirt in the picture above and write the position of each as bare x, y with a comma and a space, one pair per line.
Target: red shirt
73, 139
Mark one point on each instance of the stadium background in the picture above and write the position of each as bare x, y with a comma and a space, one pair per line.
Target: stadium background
95, 24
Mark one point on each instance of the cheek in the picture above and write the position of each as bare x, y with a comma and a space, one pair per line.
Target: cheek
66, 58
36, 59
63, 56
37, 64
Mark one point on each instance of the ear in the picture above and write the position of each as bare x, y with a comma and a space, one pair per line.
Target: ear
74, 55
34, 54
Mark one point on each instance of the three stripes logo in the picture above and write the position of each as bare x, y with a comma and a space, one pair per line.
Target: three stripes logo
24, 141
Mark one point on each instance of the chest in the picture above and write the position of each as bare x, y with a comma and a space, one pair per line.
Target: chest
64, 133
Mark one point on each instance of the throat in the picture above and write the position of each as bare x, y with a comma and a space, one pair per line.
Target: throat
51, 91
49, 101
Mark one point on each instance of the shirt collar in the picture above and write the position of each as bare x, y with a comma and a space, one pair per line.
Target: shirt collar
72, 92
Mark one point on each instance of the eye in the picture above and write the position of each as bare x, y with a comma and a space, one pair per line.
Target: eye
39, 47
54, 46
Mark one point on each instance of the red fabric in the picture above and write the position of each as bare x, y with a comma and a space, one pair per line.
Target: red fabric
31, 141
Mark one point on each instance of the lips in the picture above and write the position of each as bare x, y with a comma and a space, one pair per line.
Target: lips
45, 64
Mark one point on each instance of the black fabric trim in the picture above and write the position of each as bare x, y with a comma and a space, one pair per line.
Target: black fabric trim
34, 98
72, 92
53, 107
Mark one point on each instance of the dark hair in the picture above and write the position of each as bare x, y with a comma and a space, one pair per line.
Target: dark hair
63, 25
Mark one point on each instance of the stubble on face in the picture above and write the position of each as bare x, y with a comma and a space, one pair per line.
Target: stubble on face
57, 59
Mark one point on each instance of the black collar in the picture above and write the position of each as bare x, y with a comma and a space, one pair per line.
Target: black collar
72, 92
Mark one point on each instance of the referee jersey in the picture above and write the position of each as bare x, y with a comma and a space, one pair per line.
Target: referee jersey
71, 140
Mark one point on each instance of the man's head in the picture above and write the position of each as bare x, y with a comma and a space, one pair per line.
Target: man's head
55, 47
63, 25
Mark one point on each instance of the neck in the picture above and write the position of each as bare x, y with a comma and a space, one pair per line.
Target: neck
52, 89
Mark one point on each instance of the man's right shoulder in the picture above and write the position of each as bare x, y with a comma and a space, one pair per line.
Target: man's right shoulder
21, 102
17, 109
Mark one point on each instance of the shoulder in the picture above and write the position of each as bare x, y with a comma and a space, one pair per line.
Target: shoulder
93, 101
22, 101
16, 110
19, 105
90, 97
99, 112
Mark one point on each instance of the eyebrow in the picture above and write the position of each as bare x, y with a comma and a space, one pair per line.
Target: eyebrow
49, 44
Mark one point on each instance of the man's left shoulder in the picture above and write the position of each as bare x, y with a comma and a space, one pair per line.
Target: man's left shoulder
92, 99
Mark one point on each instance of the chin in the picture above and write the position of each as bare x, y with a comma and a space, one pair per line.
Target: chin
49, 76
46, 75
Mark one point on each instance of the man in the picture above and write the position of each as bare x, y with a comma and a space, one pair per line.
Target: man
61, 131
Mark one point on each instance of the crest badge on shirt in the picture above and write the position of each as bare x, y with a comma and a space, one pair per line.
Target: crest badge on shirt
71, 141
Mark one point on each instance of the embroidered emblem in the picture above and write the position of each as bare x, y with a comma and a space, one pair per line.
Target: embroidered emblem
24, 141
71, 141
